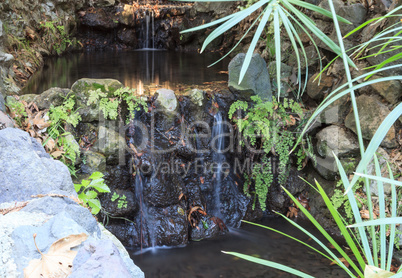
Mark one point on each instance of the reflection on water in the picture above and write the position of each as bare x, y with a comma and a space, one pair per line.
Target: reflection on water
204, 259
132, 68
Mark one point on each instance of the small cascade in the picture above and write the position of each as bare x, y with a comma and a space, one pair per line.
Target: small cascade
149, 35
218, 147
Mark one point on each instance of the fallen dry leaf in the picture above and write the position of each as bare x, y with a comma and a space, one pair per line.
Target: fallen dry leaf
58, 261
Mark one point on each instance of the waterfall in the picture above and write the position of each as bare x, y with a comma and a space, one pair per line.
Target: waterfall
149, 36
218, 146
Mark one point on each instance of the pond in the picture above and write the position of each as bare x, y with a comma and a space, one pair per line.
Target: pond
204, 259
133, 68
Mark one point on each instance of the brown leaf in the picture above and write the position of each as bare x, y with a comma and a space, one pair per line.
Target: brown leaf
57, 154
58, 261
202, 180
343, 260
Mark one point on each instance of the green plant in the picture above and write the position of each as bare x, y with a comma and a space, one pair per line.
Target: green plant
267, 128
374, 260
55, 36
61, 117
121, 200
278, 14
89, 190
111, 103
17, 110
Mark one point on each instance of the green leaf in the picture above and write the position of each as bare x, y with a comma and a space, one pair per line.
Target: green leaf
91, 194
96, 175
77, 187
254, 42
269, 264
318, 9
95, 206
83, 197
100, 186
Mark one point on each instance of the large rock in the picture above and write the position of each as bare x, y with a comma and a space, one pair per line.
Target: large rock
53, 96
5, 120
371, 114
26, 169
334, 139
166, 100
99, 259
390, 90
52, 218
82, 87
256, 80
2, 103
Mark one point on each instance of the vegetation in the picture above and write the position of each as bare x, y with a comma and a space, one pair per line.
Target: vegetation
270, 130
89, 189
111, 105
121, 200
60, 142
370, 258
276, 13
55, 37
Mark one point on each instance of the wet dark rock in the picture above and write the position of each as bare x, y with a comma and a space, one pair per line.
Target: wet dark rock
99, 259
371, 114
130, 207
127, 37
33, 171
99, 19
277, 198
163, 190
318, 209
256, 80
206, 228
128, 233
169, 225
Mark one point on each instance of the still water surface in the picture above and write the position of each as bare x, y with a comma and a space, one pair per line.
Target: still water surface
204, 259
133, 68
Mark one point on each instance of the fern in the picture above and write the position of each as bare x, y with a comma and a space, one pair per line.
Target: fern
266, 126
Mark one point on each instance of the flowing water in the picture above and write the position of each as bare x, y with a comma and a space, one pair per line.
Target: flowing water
204, 259
135, 69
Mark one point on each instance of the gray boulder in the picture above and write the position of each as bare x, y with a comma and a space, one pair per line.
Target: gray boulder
52, 218
256, 80
334, 139
371, 114
2, 103
99, 259
26, 169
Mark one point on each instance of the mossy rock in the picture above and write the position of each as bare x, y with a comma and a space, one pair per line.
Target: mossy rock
81, 89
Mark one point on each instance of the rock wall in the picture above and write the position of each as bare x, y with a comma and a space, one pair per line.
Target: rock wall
24, 40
